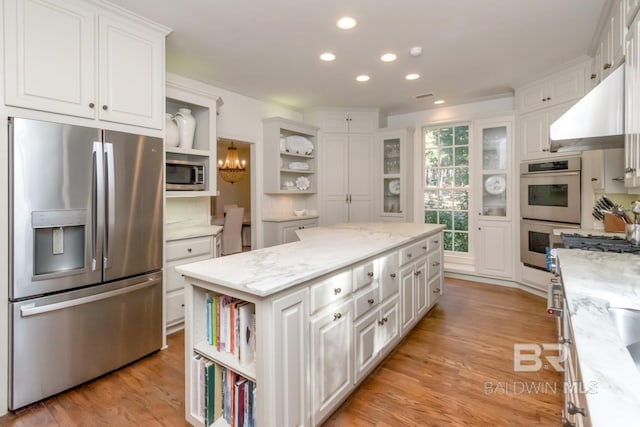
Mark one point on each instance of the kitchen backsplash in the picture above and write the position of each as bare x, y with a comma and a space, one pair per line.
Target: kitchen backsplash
187, 209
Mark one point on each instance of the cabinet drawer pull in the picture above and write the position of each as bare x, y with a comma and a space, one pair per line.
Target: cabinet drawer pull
436, 291
336, 316
380, 322
435, 264
417, 273
91, 105
105, 108
189, 250
545, 150
336, 291
393, 275
606, 66
371, 301
424, 248
409, 255
573, 409
436, 241
385, 320
370, 274
593, 76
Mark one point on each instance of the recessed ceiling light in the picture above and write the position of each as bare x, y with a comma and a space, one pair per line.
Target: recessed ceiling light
388, 57
415, 51
346, 23
363, 78
439, 101
412, 76
328, 57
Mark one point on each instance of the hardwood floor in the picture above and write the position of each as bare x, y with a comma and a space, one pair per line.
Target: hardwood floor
454, 369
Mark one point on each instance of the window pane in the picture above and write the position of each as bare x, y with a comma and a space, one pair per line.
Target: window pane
431, 159
461, 242
446, 219
446, 199
462, 135
462, 156
448, 241
432, 177
430, 217
462, 177
446, 136
461, 221
446, 157
432, 199
461, 200
430, 138
446, 177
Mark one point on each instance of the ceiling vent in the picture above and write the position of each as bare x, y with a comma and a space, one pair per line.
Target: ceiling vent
425, 95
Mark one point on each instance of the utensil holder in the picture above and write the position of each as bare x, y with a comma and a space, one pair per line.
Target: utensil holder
613, 224
632, 234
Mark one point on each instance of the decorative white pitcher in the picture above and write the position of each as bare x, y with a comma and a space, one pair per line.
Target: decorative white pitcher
171, 132
187, 127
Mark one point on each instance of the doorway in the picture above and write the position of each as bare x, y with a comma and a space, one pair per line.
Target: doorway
236, 194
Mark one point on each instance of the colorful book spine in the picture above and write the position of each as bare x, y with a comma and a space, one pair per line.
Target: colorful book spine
208, 316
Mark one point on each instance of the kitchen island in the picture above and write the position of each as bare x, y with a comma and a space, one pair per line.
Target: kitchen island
328, 309
593, 282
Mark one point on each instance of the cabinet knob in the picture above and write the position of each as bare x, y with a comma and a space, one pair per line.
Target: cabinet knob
545, 150
563, 340
424, 248
606, 66
409, 255
370, 301
417, 273
593, 76
91, 105
189, 250
594, 179
393, 275
385, 320
336, 316
479, 228
336, 291
370, 274
543, 99
548, 98
182, 305
380, 322
436, 242
436, 291
105, 108
435, 264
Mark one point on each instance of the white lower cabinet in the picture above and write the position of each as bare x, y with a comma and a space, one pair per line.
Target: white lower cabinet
495, 248
365, 333
180, 252
407, 296
331, 367
280, 232
291, 333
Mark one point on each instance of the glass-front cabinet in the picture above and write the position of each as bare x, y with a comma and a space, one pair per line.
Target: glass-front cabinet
494, 143
395, 187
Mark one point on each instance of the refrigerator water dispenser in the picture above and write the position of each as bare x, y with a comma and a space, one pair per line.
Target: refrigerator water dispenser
59, 241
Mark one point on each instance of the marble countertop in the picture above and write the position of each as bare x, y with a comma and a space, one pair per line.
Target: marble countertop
190, 228
321, 250
593, 282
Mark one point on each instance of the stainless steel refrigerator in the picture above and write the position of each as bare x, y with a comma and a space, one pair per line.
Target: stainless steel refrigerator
86, 254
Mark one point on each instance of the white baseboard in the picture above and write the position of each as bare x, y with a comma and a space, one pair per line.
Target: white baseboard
496, 282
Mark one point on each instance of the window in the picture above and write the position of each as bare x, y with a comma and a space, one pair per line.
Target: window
446, 189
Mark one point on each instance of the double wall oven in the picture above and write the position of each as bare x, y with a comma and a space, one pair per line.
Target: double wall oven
549, 199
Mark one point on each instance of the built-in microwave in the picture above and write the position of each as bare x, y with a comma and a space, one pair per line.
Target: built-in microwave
184, 175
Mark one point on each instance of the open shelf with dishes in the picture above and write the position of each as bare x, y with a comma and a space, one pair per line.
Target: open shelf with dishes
290, 157
393, 182
203, 108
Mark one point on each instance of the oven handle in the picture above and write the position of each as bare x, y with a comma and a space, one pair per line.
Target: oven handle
549, 174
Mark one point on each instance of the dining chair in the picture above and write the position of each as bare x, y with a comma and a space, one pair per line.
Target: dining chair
232, 231
225, 208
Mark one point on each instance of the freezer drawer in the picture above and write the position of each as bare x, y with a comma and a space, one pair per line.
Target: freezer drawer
60, 341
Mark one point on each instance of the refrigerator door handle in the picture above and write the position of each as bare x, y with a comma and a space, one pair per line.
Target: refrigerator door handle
111, 202
97, 216
32, 310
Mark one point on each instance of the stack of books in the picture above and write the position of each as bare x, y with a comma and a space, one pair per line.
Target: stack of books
220, 392
231, 326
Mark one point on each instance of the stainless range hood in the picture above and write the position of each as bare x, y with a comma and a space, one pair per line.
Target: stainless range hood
596, 121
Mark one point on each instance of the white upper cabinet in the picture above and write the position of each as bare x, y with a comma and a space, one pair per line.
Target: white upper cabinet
551, 91
347, 122
130, 74
75, 58
630, 10
533, 132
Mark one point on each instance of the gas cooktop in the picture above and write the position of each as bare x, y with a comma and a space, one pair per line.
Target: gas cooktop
598, 243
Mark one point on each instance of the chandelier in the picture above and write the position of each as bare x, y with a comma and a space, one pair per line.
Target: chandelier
232, 169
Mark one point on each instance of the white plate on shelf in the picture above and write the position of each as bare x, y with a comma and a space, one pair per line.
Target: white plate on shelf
302, 183
298, 144
394, 186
